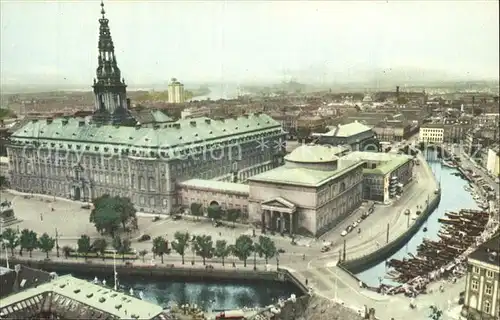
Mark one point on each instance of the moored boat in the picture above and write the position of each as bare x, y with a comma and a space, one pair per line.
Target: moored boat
449, 164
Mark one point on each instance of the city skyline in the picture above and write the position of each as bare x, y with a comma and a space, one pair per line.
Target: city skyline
252, 41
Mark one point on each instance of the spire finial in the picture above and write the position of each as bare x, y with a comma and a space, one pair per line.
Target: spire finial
102, 8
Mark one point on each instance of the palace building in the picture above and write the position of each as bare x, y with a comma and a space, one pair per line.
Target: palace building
111, 152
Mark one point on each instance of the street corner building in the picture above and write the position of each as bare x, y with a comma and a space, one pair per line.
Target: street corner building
482, 296
115, 152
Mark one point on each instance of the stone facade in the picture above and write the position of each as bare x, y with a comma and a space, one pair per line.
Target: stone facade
227, 195
482, 297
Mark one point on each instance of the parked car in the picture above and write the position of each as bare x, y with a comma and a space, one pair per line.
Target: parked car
281, 250
354, 224
325, 249
144, 237
343, 233
177, 217
349, 229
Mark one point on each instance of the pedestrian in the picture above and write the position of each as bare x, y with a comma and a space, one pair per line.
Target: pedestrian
307, 282
41, 216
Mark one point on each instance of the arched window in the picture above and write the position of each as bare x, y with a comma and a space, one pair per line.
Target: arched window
142, 184
132, 180
342, 187
151, 184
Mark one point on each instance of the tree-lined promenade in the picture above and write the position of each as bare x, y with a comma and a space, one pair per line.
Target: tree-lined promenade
201, 246
115, 217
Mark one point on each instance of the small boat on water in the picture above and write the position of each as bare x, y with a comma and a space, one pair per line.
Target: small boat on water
449, 164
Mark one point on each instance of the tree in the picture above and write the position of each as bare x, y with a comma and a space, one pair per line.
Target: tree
243, 248
266, 248
111, 212
46, 243
127, 211
233, 215
99, 245
214, 212
196, 209
84, 245
222, 250
203, 246
159, 247
125, 248
436, 313
143, 254
104, 216
28, 240
67, 251
11, 239
181, 243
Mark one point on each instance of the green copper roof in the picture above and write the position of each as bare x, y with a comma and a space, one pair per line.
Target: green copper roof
77, 134
386, 162
304, 176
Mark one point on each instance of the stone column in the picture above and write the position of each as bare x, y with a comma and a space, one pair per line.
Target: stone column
263, 221
269, 218
291, 223
282, 222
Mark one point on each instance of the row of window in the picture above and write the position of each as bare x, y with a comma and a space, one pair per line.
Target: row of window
488, 288
489, 273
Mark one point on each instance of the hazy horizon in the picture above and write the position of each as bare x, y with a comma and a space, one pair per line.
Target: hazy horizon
55, 43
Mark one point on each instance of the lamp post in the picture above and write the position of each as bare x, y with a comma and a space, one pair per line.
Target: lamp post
114, 271
57, 243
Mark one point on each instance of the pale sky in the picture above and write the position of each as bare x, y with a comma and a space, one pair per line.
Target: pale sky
248, 40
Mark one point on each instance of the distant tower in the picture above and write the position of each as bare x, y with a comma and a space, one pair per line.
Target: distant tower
176, 92
397, 94
110, 91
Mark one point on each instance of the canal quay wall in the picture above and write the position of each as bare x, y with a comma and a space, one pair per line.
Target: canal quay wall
370, 260
227, 274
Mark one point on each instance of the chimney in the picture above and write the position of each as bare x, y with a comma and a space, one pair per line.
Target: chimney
128, 103
207, 121
192, 123
397, 91
49, 120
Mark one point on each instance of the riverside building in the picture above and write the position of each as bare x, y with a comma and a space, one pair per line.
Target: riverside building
112, 153
482, 296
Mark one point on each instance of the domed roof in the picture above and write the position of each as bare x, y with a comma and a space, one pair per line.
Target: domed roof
312, 154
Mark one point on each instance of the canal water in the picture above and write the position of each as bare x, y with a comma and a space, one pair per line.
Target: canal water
208, 295
453, 198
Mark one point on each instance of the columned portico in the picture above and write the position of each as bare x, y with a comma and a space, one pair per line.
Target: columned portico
279, 215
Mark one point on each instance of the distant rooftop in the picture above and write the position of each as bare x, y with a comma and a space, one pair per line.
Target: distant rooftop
346, 130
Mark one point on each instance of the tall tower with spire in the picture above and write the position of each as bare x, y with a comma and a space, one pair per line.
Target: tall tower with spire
110, 91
